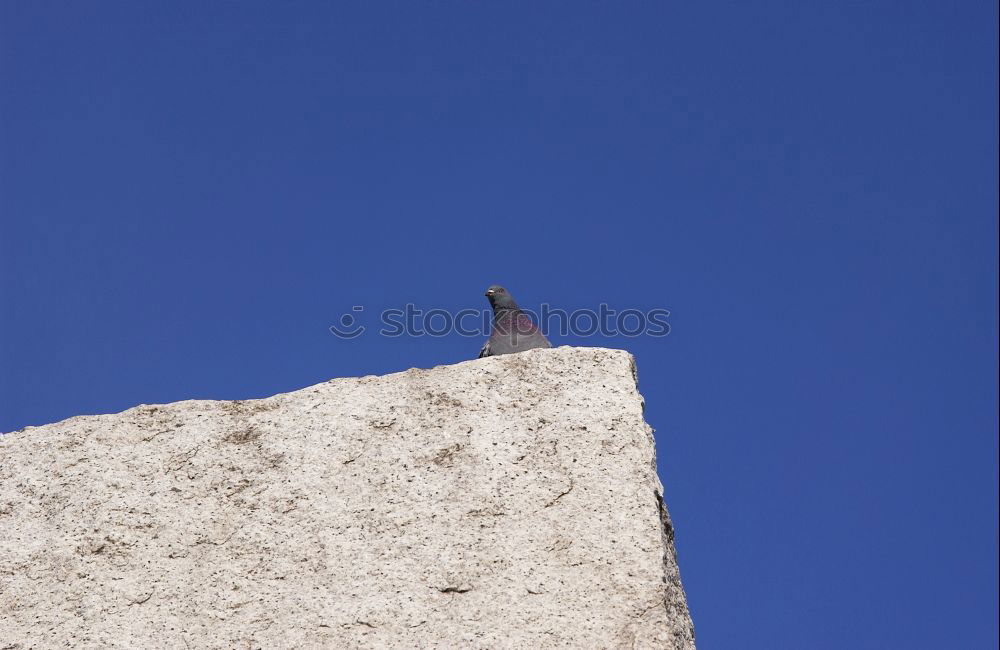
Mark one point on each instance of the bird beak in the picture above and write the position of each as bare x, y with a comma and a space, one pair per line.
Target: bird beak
489, 292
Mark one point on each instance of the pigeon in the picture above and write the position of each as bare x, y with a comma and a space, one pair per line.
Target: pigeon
513, 331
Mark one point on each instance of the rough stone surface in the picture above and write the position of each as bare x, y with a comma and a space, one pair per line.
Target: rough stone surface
507, 502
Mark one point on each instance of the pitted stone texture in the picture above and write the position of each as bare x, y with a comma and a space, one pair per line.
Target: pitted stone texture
506, 502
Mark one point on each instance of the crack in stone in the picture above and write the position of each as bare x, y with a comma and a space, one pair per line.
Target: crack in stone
561, 495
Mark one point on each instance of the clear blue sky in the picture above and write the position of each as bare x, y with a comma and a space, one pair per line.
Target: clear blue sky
192, 192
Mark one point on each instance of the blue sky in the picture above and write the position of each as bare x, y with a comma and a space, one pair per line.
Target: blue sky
192, 192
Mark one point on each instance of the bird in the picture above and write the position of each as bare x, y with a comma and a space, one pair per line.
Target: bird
513, 330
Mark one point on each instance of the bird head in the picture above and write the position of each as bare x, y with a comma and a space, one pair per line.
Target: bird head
500, 298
